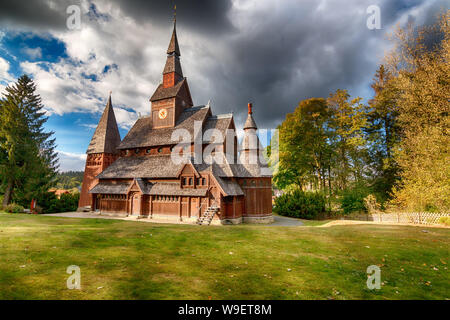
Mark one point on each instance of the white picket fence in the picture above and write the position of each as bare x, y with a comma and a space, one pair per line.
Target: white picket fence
427, 218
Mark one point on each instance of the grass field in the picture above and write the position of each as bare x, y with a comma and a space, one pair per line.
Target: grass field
135, 260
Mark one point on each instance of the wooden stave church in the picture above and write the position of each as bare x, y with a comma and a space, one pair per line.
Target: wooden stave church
136, 176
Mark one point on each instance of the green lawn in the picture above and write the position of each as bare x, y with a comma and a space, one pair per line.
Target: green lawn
136, 260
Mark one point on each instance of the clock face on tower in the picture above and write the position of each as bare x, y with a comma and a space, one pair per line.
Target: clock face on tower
162, 114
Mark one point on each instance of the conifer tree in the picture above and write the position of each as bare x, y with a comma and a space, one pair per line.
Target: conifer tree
383, 132
28, 159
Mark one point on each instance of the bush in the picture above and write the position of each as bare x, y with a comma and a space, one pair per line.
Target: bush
371, 205
51, 204
300, 204
352, 200
14, 208
445, 220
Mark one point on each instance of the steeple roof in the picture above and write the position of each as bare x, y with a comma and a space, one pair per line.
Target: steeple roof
106, 138
250, 122
173, 65
173, 45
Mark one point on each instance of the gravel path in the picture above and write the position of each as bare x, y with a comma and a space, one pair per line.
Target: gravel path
278, 220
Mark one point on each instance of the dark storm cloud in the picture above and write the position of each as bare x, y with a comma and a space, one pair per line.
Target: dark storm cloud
273, 54
34, 14
298, 52
205, 16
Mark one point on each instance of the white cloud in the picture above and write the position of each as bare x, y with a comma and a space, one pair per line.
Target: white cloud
79, 83
33, 53
71, 161
5, 77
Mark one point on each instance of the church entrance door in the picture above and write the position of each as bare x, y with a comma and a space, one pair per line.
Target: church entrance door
135, 204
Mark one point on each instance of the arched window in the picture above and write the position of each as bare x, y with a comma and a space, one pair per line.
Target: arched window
136, 151
160, 150
148, 151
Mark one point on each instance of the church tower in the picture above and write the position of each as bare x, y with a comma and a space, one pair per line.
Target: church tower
101, 152
173, 95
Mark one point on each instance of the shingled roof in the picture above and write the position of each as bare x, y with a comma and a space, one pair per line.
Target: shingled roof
109, 188
169, 92
173, 65
173, 45
250, 123
230, 187
142, 135
106, 138
174, 189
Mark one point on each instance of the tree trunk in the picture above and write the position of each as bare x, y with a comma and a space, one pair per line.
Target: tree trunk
8, 192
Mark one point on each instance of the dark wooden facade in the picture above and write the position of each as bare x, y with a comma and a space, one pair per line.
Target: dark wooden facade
136, 176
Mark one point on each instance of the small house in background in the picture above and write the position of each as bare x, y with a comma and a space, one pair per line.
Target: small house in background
59, 192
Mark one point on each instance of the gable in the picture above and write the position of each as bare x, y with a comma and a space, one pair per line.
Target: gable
188, 170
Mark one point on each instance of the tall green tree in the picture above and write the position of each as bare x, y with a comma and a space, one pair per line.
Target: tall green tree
28, 159
304, 150
383, 132
348, 118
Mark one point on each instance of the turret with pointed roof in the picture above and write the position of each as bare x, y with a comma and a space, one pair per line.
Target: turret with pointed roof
106, 138
250, 147
250, 122
101, 153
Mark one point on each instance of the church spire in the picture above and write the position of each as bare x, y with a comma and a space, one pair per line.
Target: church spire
173, 73
173, 45
106, 137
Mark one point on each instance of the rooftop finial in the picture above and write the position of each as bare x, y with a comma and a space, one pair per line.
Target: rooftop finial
175, 13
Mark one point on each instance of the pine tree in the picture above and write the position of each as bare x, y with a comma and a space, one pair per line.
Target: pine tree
28, 159
383, 132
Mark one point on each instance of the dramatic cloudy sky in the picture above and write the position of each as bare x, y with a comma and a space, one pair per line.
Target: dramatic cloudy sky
273, 53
